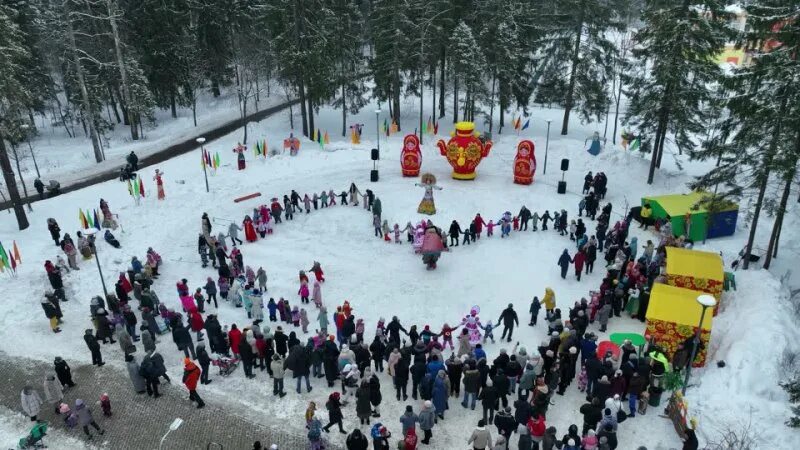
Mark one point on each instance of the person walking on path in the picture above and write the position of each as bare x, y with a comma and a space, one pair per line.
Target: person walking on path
85, 418
94, 347
191, 375
31, 402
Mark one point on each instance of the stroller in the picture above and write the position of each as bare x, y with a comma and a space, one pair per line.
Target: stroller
127, 173
53, 188
226, 365
34, 437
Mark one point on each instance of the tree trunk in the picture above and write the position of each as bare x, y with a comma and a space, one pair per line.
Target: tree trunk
112, 11
773, 239
244, 119
310, 114
194, 107
291, 114
113, 102
19, 174
616, 112
172, 104
303, 113
441, 84
87, 104
491, 103
298, 25
215, 87
396, 96
344, 109
11, 185
433, 98
572, 77
455, 99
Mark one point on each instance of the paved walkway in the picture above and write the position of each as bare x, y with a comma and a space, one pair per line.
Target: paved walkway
140, 421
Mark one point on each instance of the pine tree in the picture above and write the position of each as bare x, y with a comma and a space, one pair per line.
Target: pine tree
577, 41
678, 43
390, 22
793, 389
344, 25
467, 63
13, 97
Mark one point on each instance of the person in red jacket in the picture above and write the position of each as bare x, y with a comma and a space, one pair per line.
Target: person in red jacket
234, 337
249, 229
196, 323
191, 375
537, 428
579, 259
479, 224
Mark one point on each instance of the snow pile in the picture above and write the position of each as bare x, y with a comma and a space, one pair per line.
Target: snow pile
14, 426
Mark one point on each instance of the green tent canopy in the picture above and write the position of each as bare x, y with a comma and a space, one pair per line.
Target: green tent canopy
703, 224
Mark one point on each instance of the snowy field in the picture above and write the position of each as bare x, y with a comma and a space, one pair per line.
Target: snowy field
65, 159
381, 279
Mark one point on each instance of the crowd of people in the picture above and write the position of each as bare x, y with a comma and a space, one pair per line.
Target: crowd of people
513, 389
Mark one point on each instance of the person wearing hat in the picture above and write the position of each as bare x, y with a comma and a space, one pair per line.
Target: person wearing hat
505, 422
481, 438
191, 375
509, 319
427, 419
356, 441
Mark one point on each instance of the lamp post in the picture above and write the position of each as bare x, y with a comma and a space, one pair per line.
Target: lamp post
172, 427
546, 147
378, 127
200, 141
26, 127
91, 232
706, 301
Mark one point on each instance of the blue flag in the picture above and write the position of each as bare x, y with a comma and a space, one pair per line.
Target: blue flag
527, 122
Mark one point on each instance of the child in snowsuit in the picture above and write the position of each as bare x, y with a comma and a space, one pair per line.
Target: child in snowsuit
385, 229
490, 228
105, 405
332, 197
376, 222
343, 198
317, 294
296, 316
488, 332
324, 198
303, 292
535, 219
304, 320
397, 234
273, 308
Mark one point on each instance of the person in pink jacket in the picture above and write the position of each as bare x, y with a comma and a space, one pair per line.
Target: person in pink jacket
479, 224
489, 229
303, 291
187, 302
317, 294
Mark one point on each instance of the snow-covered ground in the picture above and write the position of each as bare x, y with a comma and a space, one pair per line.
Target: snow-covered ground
65, 159
382, 280
14, 426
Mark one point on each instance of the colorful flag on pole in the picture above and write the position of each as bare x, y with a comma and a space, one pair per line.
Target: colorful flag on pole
141, 186
16, 253
385, 127
13, 263
130, 188
527, 122
327, 138
314, 136
96, 221
90, 222
216, 160
82, 218
4, 256
517, 123
635, 144
395, 127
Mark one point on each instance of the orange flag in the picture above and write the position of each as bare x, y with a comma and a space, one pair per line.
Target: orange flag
16, 253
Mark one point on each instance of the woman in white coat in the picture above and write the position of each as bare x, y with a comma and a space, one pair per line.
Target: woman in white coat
31, 402
53, 391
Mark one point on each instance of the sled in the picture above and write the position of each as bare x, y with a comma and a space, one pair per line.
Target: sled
247, 197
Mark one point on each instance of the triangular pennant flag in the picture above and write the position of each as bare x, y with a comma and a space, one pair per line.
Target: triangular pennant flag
527, 122
264, 146
3, 255
216, 161
82, 218
13, 263
424, 128
130, 188
136, 187
327, 138
635, 144
16, 253
89, 221
96, 221
141, 187
314, 136
436, 129
395, 127
208, 159
2, 266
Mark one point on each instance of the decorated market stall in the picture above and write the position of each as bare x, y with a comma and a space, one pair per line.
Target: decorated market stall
696, 270
672, 318
686, 211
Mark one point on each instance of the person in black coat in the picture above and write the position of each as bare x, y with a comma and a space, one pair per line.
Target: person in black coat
94, 347
377, 348
348, 328
455, 233
394, 328
505, 423
401, 371
488, 398
182, 338
509, 319
522, 411
281, 342
104, 327
592, 414
205, 362
247, 356
55, 231
572, 433
334, 406
357, 441
63, 371
330, 353
299, 362
524, 216
375, 396
501, 384
418, 370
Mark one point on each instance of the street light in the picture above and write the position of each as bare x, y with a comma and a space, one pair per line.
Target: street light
90, 233
200, 141
378, 127
26, 127
172, 427
546, 147
706, 301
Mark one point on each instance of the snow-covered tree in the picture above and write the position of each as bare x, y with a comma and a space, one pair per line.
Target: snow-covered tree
677, 47
390, 24
345, 26
466, 64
